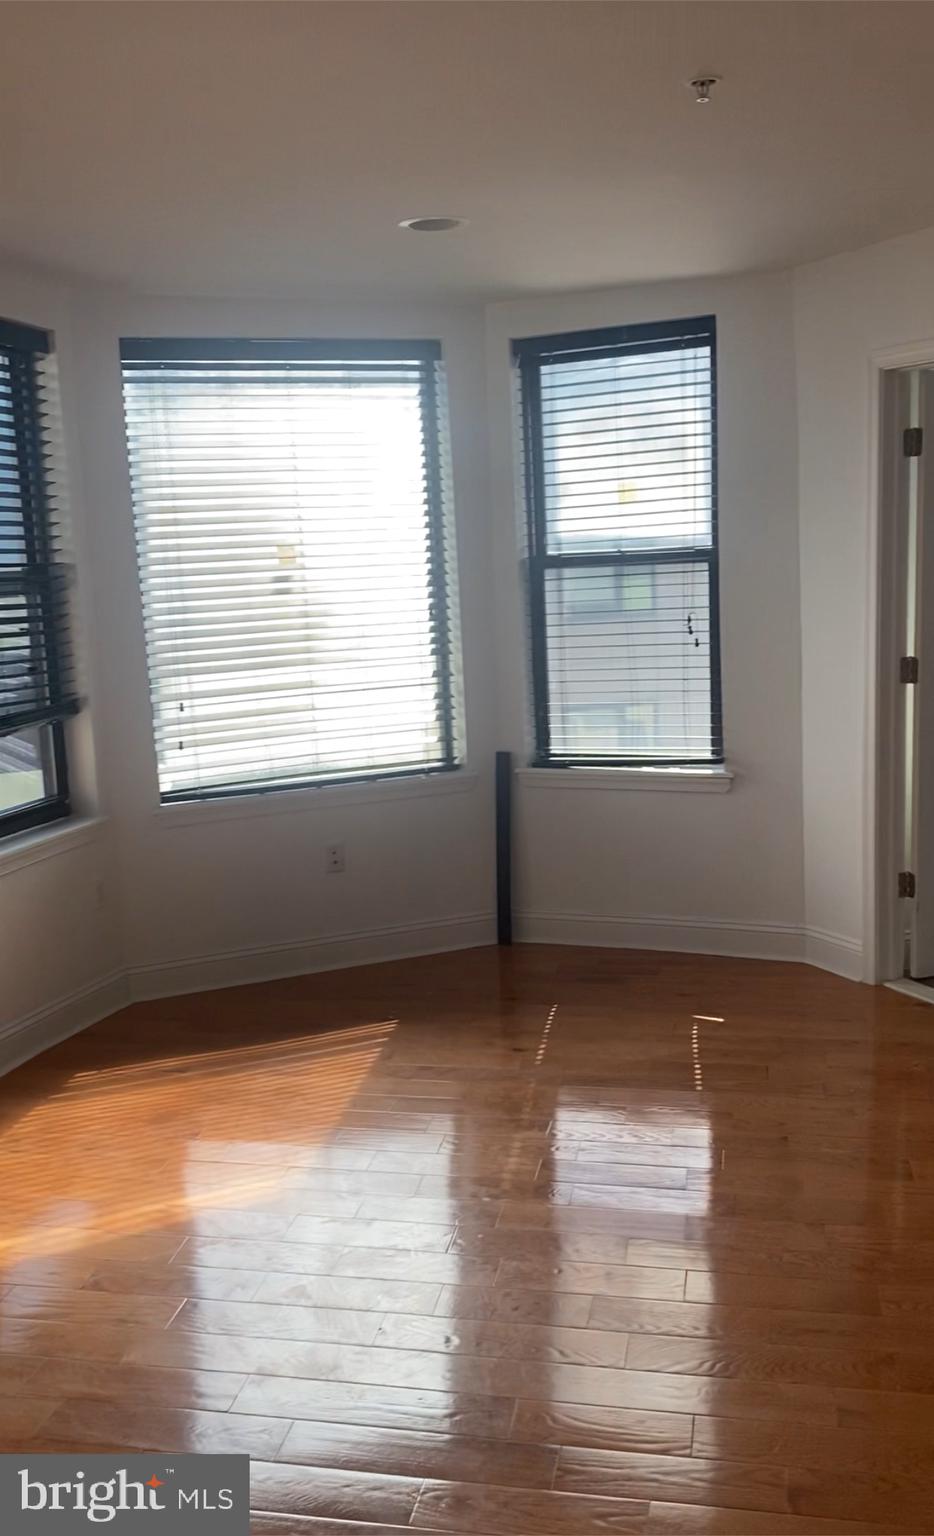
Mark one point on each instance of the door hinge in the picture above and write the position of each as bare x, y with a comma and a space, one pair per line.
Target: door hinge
906, 883
913, 442
908, 669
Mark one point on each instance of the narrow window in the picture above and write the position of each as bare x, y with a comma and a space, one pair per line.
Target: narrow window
620, 447
36, 684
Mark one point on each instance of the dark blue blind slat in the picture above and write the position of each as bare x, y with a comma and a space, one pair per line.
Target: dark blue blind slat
37, 684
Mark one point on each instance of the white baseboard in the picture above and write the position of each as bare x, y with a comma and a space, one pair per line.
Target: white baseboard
834, 952
689, 935
36, 1032
697, 936
269, 962
909, 988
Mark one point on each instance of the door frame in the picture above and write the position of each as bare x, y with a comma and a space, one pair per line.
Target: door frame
883, 924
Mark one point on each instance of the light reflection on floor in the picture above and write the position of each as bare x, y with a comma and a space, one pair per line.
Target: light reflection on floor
186, 1102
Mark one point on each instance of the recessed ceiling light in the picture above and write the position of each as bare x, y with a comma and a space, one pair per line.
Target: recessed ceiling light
433, 225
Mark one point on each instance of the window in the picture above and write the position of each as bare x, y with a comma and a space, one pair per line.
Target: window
36, 686
624, 727
294, 560
620, 437
630, 588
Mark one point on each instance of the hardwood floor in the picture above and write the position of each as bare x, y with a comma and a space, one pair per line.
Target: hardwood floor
509, 1243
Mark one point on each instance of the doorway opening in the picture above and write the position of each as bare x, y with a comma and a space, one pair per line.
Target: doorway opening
905, 662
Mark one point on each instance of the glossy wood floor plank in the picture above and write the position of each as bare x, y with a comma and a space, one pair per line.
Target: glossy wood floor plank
507, 1243
176, 1280
23, 1416
431, 1411
855, 1366
512, 1340
54, 1304
411, 1453
360, 1263
509, 1512
593, 1279
57, 1378
278, 1320
290, 1489
666, 1519
676, 1479
310, 1525
785, 1325
612, 1429
904, 1454
501, 1304
342, 1292
148, 1427
774, 1291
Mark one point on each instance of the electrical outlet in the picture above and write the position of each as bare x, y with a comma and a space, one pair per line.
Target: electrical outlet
334, 859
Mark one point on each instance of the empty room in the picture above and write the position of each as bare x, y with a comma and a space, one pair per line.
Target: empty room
467, 767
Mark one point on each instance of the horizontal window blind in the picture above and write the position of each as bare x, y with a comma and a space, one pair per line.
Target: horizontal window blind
37, 683
619, 438
294, 562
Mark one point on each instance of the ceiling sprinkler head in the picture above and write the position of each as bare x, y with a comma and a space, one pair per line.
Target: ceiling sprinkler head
702, 85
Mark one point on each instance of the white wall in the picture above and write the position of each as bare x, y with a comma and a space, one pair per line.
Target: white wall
678, 870
203, 894
222, 892
207, 894
60, 947
847, 309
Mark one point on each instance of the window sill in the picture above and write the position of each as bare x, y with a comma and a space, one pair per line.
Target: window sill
694, 781
25, 848
286, 802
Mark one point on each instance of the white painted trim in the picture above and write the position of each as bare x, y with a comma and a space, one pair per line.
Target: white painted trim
36, 1032
48, 842
28, 1036
910, 354
268, 962
703, 781
284, 802
882, 958
689, 935
877, 797
834, 952
883, 770
697, 935
915, 989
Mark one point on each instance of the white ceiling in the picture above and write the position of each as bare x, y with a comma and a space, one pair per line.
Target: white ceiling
268, 147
